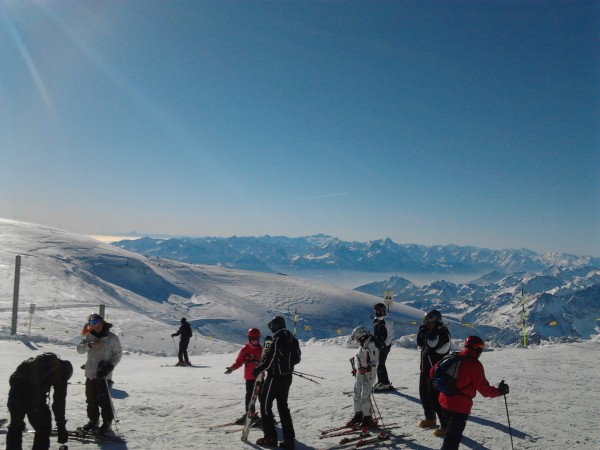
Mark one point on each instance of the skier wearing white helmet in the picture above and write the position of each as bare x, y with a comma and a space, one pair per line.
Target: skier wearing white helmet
365, 371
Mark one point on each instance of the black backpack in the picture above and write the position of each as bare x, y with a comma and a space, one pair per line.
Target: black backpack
445, 373
295, 352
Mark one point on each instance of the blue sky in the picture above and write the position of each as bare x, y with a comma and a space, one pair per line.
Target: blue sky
455, 122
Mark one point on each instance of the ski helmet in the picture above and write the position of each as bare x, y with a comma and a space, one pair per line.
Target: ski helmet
93, 319
475, 343
277, 324
359, 333
183, 320
432, 316
253, 333
380, 310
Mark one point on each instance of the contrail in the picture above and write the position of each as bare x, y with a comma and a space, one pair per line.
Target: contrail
339, 194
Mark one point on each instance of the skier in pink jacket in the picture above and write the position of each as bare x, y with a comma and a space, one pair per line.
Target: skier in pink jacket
249, 356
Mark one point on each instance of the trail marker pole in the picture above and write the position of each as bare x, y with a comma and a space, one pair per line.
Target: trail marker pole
31, 311
523, 318
15, 311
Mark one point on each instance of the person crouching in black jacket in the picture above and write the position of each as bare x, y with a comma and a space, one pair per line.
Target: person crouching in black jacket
29, 389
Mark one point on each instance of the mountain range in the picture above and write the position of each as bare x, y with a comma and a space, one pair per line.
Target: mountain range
561, 291
68, 275
325, 253
559, 302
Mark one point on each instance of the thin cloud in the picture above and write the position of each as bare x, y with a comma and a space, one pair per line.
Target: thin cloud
319, 197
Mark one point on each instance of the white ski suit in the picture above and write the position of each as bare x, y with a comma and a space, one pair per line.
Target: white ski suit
366, 360
106, 348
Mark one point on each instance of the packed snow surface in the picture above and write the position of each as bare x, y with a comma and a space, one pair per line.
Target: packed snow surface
553, 400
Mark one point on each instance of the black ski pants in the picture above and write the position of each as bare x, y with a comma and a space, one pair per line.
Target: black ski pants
98, 400
249, 392
23, 400
382, 374
183, 347
429, 400
454, 429
276, 388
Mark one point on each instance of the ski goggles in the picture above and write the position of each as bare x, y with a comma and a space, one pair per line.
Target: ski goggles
95, 321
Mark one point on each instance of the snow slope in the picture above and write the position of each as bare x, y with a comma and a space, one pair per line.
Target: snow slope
67, 276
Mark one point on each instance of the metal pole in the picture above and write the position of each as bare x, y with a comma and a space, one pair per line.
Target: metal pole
508, 419
523, 318
31, 311
13, 329
112, 406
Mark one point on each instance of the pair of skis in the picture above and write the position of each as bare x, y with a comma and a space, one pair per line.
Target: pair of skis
81, 434
255, 390
362, 438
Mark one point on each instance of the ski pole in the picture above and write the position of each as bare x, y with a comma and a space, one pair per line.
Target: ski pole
508, 418
306, 378
307, 374
373, 402
174, 344
353, 367
112, 406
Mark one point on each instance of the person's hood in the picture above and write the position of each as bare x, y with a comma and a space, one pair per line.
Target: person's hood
103, 332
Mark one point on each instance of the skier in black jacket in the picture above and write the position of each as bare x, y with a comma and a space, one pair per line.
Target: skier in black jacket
29, 389
383, 335
185, 331
277, 361
434, 339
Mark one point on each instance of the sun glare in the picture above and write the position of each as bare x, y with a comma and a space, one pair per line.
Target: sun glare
25, 54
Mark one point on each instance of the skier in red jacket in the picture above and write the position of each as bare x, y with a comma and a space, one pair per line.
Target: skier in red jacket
249, 356
470, 380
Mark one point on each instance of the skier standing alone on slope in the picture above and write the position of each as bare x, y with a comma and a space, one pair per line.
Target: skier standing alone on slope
383, 335
365, 368
470, 380
434, 339
277, 361
29, 388
185, 331
104, 352
249, 356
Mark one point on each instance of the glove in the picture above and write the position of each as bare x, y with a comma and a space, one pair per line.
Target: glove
503, 388
173, 335
353, 372
362, 370
228, 370
63, 435
256, 372
104, 368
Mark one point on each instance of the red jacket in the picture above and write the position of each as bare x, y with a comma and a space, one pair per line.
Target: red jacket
471, 379
249, 356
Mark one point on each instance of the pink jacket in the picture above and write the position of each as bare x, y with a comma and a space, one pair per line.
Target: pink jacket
249, 356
